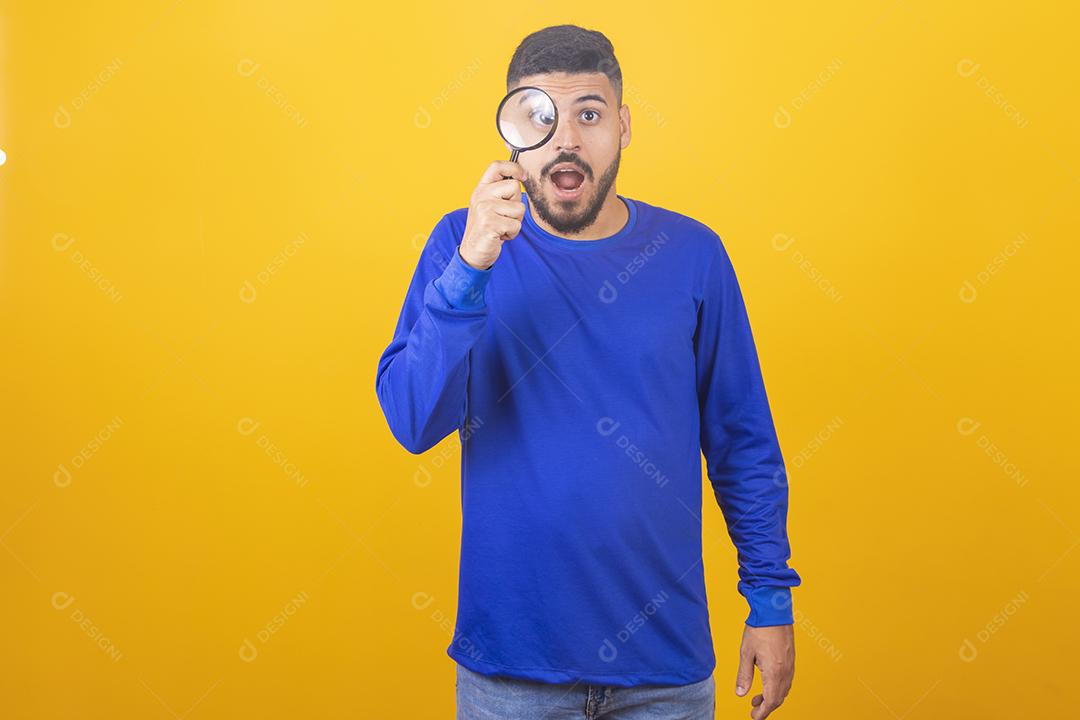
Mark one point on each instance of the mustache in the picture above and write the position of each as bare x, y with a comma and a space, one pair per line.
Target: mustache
568, 158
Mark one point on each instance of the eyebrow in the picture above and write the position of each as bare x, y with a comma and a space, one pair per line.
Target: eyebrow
583, 98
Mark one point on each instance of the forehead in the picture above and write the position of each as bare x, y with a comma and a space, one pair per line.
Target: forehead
565, 88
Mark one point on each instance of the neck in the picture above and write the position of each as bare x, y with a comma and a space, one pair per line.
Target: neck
613, 216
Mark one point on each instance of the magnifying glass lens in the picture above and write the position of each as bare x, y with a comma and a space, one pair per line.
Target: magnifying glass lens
527, 118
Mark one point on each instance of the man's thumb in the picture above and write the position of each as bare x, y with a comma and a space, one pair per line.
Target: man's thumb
745, 677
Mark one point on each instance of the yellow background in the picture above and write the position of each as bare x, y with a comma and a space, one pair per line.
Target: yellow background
211, 211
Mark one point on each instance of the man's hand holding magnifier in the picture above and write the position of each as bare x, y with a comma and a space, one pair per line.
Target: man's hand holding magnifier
495, 214
526, 119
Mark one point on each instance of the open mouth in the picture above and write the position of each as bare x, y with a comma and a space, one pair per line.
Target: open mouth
567, 181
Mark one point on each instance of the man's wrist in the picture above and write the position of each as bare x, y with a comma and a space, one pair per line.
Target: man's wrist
473, 265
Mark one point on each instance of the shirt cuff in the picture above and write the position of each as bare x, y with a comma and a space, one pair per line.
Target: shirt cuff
769, 606
461, 284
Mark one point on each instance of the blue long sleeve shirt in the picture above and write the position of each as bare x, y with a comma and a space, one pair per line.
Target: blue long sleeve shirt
585, 380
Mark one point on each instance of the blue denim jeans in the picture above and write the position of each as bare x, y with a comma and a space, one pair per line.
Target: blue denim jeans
484, 697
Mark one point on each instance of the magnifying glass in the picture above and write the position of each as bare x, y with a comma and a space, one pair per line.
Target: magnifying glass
526, 119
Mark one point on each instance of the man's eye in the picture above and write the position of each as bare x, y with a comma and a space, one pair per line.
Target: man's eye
592, 115
542, 118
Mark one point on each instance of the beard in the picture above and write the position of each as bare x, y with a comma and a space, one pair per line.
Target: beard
565, 221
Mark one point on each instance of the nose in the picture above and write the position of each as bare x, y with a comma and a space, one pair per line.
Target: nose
566, 138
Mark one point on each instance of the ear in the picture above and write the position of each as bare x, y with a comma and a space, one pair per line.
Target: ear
624, 126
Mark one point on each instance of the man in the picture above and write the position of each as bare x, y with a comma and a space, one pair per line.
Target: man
588, 348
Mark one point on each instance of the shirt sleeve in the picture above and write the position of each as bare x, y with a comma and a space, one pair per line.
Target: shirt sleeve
422, 374
738, 439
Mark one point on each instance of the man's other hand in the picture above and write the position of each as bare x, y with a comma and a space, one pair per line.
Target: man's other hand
772, 649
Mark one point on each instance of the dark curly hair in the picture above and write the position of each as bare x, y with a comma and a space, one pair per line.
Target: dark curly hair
568, 49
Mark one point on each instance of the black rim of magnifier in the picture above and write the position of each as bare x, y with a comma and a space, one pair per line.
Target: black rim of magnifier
498, 114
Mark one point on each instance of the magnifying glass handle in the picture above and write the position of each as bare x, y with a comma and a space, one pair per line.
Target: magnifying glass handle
513, 158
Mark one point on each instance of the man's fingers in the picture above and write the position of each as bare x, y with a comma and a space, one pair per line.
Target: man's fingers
762, 711
745, 677
503, 211
500, 169
504, 228
500, 189
772, 695
509, 208
762, 707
